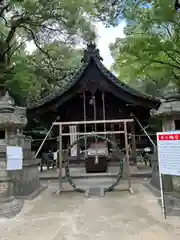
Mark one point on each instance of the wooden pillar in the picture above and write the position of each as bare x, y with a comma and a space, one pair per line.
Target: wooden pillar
127, 168
104, 111
60, 157
85, 128
94, 108
133, 142
78, 143
112, 135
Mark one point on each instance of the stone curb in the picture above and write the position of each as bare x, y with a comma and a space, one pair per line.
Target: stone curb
33, 194
134, 175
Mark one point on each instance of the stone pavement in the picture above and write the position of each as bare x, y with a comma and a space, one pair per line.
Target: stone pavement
71, 216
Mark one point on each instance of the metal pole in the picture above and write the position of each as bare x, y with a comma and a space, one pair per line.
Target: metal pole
43, 141
144, 130
162, 195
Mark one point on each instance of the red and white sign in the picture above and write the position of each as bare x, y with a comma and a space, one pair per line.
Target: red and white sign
168, 144
171, 136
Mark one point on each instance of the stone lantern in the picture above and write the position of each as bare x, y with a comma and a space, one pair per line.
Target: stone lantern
15, 183
168, 112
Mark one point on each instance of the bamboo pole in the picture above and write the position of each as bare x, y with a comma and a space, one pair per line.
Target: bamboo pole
150, 139
44, 140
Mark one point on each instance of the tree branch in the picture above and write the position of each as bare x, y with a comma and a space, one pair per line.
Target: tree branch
114, 2
14, 26
154, 81
37, 45
15, 49
166, 63
4, 8
176, 77
171, 57
168, 31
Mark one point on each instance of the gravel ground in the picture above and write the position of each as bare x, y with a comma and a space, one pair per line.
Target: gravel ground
71, 216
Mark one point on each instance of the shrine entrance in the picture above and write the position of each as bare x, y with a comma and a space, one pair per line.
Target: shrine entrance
99, 152
92, 111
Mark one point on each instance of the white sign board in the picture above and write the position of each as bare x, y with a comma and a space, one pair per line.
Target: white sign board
14, 157
168, 144
55, 155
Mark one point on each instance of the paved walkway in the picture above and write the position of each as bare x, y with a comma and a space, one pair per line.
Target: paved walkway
70, 216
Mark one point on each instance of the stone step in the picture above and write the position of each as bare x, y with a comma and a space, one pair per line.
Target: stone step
94, 191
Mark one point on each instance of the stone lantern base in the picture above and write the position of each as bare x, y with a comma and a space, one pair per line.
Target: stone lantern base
10, 207
167, 180
15, 184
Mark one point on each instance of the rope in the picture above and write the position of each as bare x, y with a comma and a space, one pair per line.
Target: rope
118, 177
129, 134
40, 139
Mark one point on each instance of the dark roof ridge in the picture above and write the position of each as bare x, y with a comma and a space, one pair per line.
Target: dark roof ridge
92, 53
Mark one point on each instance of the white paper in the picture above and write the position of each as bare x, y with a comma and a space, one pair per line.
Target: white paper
169, 152
14, 157
55, 155
73, 138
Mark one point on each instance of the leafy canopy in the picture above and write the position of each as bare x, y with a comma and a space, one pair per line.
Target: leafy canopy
55, 27
149, 57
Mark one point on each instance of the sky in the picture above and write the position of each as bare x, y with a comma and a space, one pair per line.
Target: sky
106, 36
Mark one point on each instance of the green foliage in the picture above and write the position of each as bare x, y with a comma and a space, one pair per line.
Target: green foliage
149, 57
55, 27
33, 77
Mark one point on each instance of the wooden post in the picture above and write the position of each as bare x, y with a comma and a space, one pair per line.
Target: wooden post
94, 107
133, 141
77, 138
85, 129
104, 111
127, 158
113, 135
60, 157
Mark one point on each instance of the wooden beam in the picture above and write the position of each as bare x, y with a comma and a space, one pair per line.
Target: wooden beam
93, 122
91, 133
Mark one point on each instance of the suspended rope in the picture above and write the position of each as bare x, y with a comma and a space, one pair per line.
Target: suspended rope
121, 165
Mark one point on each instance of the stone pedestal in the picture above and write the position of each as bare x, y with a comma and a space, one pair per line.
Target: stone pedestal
168, 112
15, 183
26, 180
155, 171
167, 180
168, 125
9, 206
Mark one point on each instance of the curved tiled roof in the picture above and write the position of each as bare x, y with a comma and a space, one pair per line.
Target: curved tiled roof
92, 52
